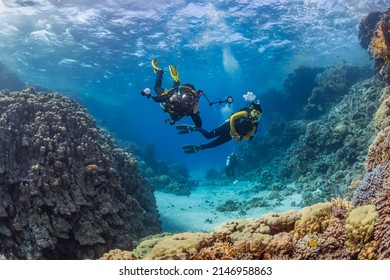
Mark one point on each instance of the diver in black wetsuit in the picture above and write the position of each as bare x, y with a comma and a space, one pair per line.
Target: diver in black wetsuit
231, 164
241, 125
180, 101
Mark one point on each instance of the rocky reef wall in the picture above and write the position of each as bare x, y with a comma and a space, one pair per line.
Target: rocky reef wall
66, 190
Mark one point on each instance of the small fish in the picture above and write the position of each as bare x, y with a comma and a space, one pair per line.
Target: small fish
312, 243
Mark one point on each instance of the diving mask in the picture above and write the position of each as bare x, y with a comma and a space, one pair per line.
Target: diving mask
255, 115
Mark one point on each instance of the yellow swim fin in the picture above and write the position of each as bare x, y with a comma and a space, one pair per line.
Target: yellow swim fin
154, 65
174, 73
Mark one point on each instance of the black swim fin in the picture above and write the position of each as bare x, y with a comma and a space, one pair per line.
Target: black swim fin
191, 149
185, 128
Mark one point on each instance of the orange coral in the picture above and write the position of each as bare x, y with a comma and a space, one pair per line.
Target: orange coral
381, 41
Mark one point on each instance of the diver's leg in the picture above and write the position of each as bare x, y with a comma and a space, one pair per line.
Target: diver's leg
222, 139
158, 83
222, 129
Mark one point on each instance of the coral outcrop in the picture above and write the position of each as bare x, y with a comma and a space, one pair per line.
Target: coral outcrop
333, 230
374, 35
66, 190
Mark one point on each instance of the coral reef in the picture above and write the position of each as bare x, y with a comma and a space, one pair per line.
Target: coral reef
66, 190
333, 83
382, 226
319, 156
367, 27
169, 178
374, 35
334, 230
382, 115
360, 226
379, 150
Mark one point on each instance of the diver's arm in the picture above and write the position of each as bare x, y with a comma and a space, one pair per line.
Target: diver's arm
233, 118
197, 120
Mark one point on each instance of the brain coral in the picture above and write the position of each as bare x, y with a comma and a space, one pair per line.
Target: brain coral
67, 191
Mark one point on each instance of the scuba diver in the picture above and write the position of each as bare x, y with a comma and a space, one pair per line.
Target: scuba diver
241, 125
231, 164
179, 101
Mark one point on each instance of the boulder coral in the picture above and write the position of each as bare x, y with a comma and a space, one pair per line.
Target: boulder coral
360, 226
66, 190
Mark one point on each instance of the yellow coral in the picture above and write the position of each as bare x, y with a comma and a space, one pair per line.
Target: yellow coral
315, 219
360, 226
145, 247
179, 246
368, 252
117, 254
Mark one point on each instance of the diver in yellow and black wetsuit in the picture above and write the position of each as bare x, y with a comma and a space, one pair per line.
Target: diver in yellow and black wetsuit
179, 101
241, 125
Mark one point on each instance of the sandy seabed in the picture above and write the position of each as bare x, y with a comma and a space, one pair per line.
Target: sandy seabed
197, 212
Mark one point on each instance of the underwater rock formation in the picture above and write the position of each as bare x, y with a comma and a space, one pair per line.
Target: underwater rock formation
66, 190
374, 35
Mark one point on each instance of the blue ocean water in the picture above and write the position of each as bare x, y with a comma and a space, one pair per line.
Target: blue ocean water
99, 52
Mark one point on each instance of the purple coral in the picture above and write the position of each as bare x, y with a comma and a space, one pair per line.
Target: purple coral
370, 185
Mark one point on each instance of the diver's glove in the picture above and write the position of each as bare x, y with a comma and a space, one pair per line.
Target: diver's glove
192, 149
185, 128
146, 92
236, 136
